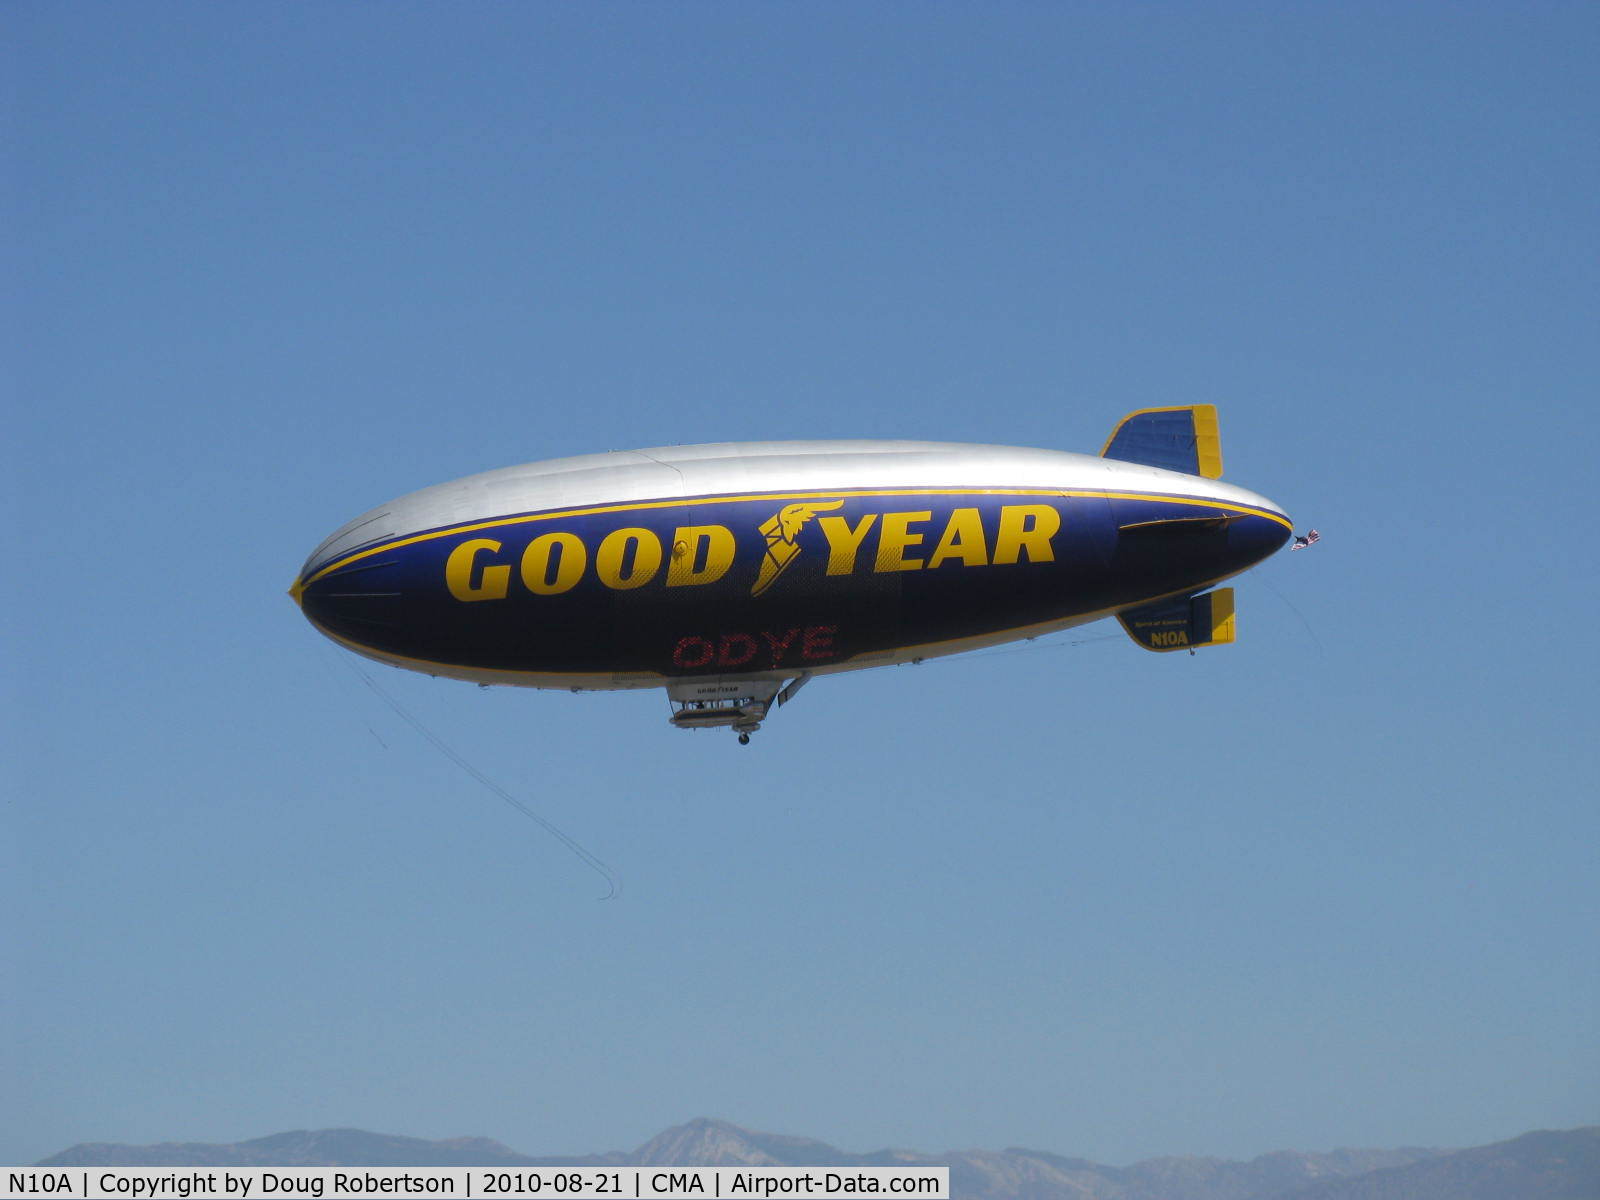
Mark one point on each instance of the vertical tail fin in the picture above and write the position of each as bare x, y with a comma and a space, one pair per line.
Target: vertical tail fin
1176, 439
1182, 623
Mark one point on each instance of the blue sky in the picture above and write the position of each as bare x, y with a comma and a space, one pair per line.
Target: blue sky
1334, 885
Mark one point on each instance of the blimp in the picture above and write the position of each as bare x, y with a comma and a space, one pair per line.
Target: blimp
733, 574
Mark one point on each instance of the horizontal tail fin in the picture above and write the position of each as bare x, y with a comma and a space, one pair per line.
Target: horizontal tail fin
1182, 623
1175, 439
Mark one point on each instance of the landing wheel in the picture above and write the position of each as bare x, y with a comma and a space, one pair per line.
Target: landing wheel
744, 739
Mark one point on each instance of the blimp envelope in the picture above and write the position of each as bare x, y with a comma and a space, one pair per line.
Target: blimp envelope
730, 574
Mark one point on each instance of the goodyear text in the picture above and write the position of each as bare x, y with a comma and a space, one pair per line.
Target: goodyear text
695, 555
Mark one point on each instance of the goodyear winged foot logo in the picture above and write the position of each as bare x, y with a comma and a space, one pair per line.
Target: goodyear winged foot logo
780, 532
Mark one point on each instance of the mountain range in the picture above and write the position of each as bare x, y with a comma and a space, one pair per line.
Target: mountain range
1562, 1165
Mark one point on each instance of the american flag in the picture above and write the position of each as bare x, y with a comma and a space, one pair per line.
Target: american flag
1305, 539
